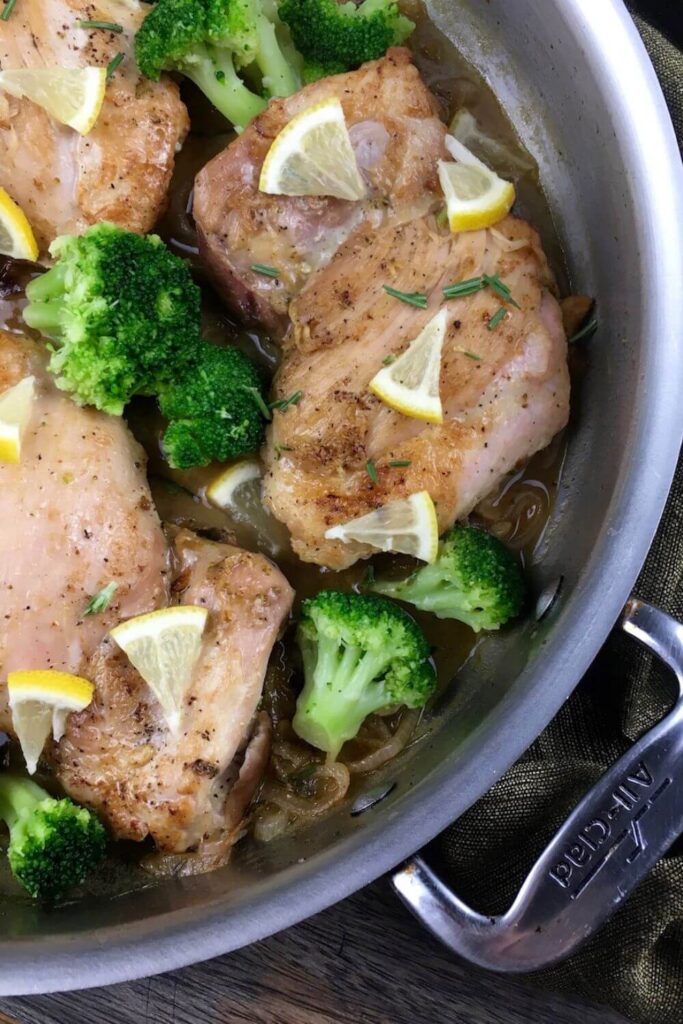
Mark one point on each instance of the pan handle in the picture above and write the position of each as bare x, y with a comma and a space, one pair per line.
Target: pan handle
602, 851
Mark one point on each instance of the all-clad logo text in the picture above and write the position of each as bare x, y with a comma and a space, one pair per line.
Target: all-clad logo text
599, 837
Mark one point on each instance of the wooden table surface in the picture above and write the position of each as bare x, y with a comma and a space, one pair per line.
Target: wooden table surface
365, 961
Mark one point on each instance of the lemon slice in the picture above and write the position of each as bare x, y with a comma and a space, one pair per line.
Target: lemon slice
164, 647
408, 526
222, 491
41, 701
313, 156
15, 412
475, 196
73, 96
16, 237
410, 385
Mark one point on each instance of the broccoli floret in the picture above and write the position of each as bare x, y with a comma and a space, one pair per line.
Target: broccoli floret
53, 843
340, 36
209, 41
361, 654
121, 311
313, 72
474, 579
215, 408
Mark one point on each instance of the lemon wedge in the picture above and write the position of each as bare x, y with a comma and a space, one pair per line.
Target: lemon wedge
16, 237
410, 385
313, 156
41, 701
222, 491
15, 412
164, 647
73, 96
408, 526
476, 197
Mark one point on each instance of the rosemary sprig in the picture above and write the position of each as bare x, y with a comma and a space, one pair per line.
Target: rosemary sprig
7, 10
496, 318
284, 403
113, 64
108, 26
418, 299
500, 288
587, 331
100, 601
399, 463
371, 470
258, 398
461, 288
263, 268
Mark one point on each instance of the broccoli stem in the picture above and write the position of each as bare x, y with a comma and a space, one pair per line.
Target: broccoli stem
18, 798
44, 316
215, 75
344, 688
279, 77
49, 285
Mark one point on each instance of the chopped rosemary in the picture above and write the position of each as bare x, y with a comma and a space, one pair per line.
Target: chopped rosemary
397, 463
284, 403
258, 398
476, 284
418, 299
113, 64
496, 318
108, 26
263, 268
461, 288
388, 360
501, 289
371, 470
7, 10
100, 601
587, 331
280, 448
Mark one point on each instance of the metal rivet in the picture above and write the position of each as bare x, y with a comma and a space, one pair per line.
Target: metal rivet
373, 796
548, 597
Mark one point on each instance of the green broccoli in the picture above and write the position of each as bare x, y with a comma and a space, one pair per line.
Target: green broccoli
209, 41
474, 579
53, 843
215, 407
121, 311
361, 654
337, 37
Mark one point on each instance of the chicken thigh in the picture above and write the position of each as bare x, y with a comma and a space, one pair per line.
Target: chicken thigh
504, 389
397, 137
187, 791
121, 170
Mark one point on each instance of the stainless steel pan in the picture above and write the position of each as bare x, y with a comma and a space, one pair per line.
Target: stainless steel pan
578, 84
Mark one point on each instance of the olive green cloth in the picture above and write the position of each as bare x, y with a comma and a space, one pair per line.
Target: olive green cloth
635, 964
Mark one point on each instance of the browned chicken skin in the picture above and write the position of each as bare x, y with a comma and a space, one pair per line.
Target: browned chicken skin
397, 137
121, 170
505, 392
191, 790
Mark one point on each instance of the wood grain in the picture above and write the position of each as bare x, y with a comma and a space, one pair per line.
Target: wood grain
365, 961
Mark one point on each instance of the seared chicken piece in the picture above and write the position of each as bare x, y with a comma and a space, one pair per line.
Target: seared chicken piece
189, 791
505, 392
76, 514
397, 137
121, 170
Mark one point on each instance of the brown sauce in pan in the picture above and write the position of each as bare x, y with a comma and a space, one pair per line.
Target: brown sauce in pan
517, 511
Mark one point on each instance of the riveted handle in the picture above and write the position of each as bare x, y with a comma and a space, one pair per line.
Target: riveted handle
602, 851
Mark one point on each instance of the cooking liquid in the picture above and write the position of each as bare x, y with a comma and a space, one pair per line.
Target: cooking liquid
517, 511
